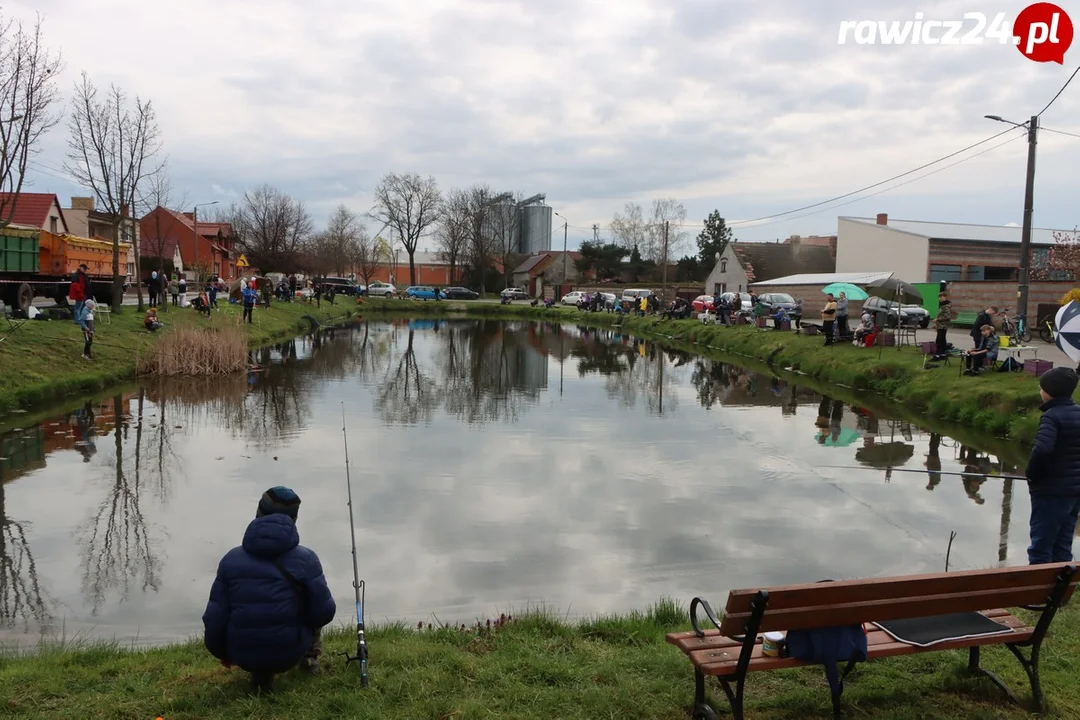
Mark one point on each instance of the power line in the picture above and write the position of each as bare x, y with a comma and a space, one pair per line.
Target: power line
1059, 132
1059, 92
871, 187
894, 187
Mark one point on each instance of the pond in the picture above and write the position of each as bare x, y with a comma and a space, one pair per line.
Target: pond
495, 466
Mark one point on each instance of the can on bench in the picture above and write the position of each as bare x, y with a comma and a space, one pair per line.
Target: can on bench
771, 644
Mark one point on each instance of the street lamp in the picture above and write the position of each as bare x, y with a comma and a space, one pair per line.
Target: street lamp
566, 228
1032, 126
195, 219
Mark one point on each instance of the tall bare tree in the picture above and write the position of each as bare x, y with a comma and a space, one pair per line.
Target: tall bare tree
271, 228
28, 94
366, 255
629, 228
481, 248
667, 214
112, 150
409, 204
452, 233
506, 231
342, 232
159, 193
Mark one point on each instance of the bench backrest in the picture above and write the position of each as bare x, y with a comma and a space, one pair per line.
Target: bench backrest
847, 602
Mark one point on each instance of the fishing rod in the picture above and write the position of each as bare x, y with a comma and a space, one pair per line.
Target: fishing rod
924, 472
358, 584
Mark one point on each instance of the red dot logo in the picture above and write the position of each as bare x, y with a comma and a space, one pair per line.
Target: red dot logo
1043, 32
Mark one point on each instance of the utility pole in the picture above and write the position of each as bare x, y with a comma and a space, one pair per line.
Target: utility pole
565, 230
1029, 209
664, 259
596, 233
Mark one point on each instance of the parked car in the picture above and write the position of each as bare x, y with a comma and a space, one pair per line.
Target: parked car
460, 293
744, 300
381, 289
423, 292
575, 297
342, 286
774, 301
704, 303
634, 295
610, 300
885, 313
919, 312
514, 293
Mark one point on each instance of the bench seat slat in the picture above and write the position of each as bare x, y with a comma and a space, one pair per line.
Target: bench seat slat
896, 588
721, 658
689, 641
846, 613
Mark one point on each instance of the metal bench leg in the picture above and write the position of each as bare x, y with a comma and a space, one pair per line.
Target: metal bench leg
702, 709
735, 697
836, 697
977, 669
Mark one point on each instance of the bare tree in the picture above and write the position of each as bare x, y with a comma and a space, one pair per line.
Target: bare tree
452, 233
481, 248
667, 214
111, 151
342, 233
159, 194
629, 228
409, 204
271, 228
28, 93
506, 231
365, 255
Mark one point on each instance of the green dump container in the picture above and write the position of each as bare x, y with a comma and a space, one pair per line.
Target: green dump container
19, 251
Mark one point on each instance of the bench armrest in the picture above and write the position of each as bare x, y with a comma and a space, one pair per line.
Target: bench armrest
708, 612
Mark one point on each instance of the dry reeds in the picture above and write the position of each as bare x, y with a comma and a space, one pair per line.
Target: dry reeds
196, 351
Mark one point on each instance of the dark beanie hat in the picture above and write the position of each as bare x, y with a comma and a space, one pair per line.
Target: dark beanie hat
281, 500
1058, 382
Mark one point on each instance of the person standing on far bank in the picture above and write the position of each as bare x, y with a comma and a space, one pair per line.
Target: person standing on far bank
945, 315
842, 317
1053, 471
828, 317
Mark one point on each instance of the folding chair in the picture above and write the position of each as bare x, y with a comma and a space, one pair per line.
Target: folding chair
105, 313
12, 326
929, 350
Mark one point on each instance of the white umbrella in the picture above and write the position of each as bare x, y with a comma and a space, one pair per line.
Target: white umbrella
1067, 330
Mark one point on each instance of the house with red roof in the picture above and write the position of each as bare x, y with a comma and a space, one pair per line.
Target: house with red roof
171, 237
40, 210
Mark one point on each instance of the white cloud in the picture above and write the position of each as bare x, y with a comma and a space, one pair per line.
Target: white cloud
750, 108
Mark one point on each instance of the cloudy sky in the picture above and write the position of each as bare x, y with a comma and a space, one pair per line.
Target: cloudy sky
752, 108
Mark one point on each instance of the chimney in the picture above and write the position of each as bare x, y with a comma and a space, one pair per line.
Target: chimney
882, 219
82, 203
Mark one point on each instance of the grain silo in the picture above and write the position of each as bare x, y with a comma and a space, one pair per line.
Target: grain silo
535, 226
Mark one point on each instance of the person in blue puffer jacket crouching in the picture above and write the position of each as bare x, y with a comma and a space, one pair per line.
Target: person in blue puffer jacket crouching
269, 601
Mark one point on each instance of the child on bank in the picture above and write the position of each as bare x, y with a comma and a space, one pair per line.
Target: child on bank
88, 328
1053, 471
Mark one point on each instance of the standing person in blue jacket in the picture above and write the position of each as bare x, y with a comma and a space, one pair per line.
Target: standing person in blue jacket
1053, 471
269, 601
249, 296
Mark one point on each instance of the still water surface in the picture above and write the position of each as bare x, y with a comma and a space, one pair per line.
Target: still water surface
495, 466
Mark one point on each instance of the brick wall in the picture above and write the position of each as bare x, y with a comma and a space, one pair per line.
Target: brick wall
977, 296
968, 254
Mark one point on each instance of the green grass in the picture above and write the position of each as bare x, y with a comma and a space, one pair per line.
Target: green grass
535, 666
995, 404
42, 361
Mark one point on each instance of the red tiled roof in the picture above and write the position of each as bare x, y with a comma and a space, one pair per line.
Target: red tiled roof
168, 248
32, 209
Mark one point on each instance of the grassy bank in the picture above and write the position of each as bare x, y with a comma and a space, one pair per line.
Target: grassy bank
42, 361
532, 667
999, 404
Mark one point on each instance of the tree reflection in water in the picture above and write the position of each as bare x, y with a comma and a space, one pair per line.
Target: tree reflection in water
407, 395
20, 593
117, 551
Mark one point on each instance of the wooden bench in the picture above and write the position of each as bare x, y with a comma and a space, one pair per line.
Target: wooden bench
734, 649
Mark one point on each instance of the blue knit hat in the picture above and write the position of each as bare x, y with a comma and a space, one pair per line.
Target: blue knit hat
281, 500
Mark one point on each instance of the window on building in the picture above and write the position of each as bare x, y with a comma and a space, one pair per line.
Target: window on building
948, 273
723, 265
1000, 273
53, 225
975, 272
